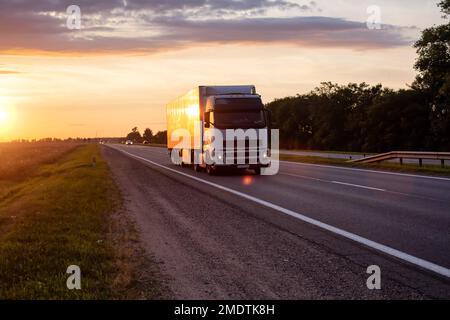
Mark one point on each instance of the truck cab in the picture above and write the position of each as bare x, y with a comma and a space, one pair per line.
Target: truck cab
236, 132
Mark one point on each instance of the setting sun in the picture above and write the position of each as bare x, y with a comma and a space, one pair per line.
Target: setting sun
6, 117
3, 116
4, 105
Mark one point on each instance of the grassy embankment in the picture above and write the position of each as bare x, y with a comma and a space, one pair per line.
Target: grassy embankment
386, 166
61, 214
18, 160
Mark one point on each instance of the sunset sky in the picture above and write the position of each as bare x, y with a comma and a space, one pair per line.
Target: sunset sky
131, 57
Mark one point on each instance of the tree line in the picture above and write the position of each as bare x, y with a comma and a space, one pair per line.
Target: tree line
355, 117
50, 139
360, 117
147, 137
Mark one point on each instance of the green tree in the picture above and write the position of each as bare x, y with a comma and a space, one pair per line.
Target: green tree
160, 137
148, 135
397, 120
292, 116
134, 135
355, 117
445, 7
433, 64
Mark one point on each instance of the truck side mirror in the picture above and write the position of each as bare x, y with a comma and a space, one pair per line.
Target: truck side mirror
207, 123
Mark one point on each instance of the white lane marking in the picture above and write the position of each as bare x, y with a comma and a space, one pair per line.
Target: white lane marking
335, 182
358, 186
365, 187
367, 170
372, 244
305, 177
418, 197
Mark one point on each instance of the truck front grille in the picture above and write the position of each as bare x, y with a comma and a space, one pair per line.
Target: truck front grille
241, 152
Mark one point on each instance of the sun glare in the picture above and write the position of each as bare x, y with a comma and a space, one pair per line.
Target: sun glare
5, 113
3, 116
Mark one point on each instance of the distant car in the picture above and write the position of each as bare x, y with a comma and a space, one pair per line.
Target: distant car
129, 142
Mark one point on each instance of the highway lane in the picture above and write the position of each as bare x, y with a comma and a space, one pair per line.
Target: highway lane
409, 213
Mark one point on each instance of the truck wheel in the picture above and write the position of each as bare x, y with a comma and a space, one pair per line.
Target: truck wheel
258, 171
209, 170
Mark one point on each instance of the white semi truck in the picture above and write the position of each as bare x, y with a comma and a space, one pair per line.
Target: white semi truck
215, 127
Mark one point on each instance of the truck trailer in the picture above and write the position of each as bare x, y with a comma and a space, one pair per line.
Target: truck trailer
216, 127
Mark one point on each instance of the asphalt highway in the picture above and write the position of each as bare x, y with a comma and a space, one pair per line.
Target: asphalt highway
400, 220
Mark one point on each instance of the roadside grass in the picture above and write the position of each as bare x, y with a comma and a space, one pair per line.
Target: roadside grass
18, 159
411, 168
61, 216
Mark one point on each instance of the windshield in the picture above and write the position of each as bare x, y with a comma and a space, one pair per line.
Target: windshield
239, 120
238, 104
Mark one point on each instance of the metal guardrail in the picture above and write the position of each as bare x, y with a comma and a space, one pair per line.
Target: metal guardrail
442, 156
